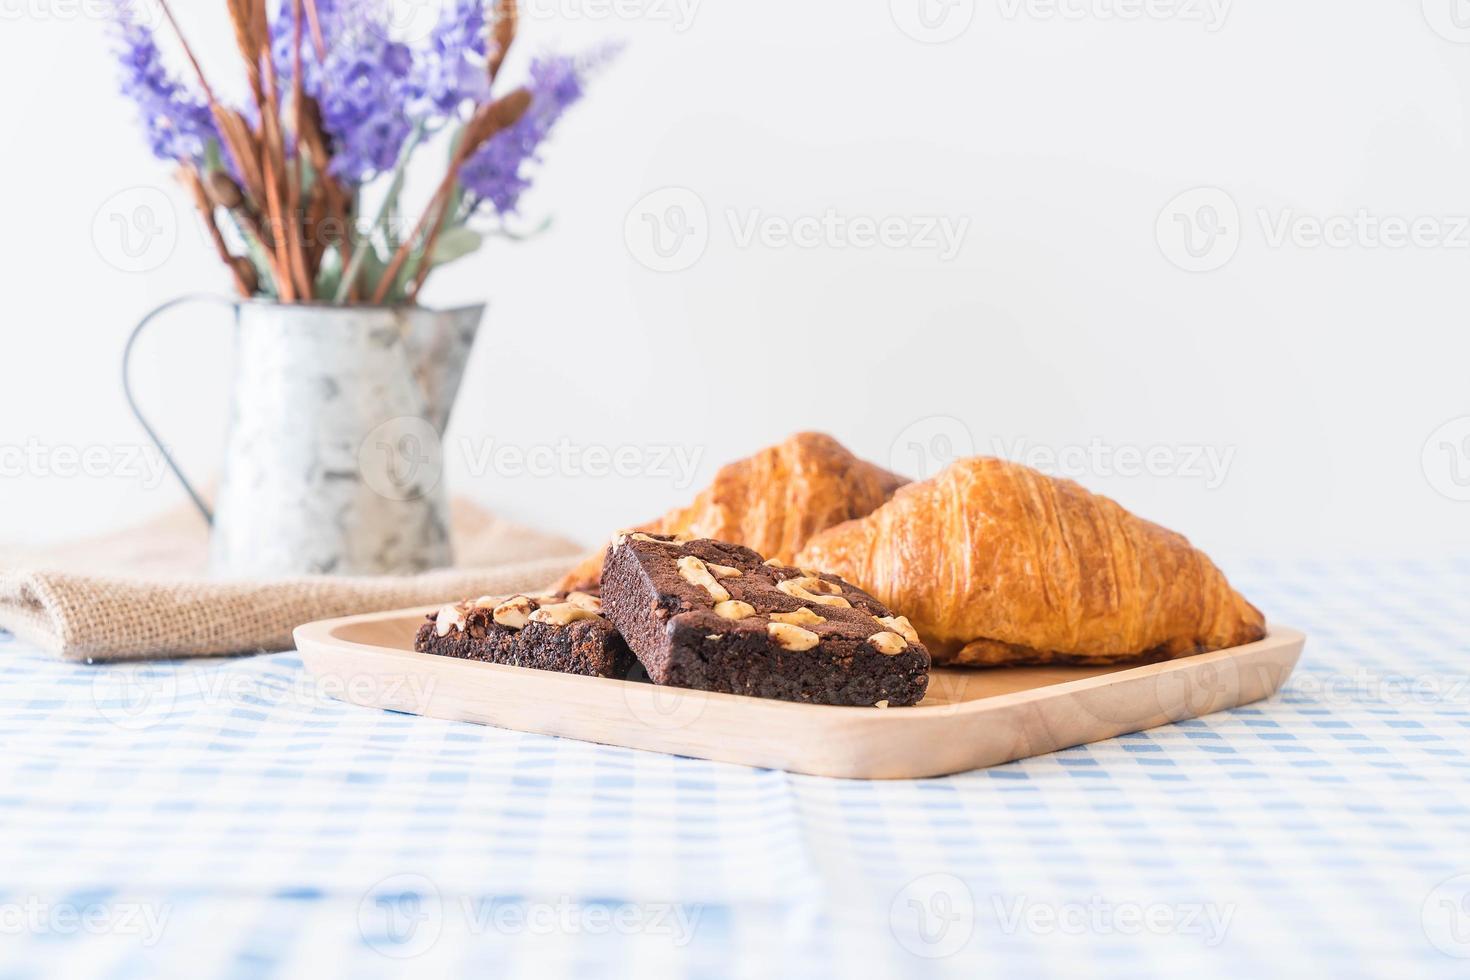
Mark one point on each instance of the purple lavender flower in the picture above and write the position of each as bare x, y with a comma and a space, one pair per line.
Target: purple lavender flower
175, 117
361, 85
450, 70
494, 173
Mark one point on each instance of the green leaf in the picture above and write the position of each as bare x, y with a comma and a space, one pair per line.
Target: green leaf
456, 139
257, 257
329, 276
308, 175
520, 236
372, 268
455, 243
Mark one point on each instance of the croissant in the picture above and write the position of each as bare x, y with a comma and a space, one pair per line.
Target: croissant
771, 502
997, 564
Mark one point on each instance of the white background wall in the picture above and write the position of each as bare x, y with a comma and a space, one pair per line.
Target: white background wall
1055, 136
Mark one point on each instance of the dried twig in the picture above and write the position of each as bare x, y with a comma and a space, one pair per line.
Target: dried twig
235, 132
225, 193
298, 174
243, 147
248, 22
489, 119
315, 21
311, 134
352, 265
243, 19
190, 178
232, 126
188, 51
288, 226
275, 165
507, 16
336, 200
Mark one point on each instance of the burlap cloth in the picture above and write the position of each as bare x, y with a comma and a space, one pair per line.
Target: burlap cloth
142, 594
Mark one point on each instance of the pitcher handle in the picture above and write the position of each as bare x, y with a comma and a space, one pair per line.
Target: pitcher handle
127, 359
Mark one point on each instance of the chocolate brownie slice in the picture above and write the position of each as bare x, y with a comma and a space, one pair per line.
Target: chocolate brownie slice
717, 617
564, 632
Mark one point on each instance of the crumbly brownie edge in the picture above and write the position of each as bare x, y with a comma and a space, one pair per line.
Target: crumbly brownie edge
587, 647
677, 648
629, 603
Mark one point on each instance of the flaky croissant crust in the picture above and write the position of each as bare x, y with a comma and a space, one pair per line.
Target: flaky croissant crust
996, 563
772, 501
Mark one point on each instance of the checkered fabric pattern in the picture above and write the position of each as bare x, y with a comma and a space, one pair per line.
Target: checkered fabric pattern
220, 819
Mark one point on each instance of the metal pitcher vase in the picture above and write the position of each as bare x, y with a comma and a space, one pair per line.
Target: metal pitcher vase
333, 460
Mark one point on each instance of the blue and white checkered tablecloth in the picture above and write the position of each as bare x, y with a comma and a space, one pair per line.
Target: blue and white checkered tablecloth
221, 819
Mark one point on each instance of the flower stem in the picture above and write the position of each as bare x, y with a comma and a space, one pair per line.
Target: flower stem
400, 168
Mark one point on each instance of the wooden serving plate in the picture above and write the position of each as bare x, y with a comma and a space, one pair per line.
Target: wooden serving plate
970, 718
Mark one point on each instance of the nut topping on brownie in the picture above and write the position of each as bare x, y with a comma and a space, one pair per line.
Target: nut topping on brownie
565, 633
715, 616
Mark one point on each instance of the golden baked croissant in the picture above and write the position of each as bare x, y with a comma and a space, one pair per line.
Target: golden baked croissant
771, 502
995, 563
